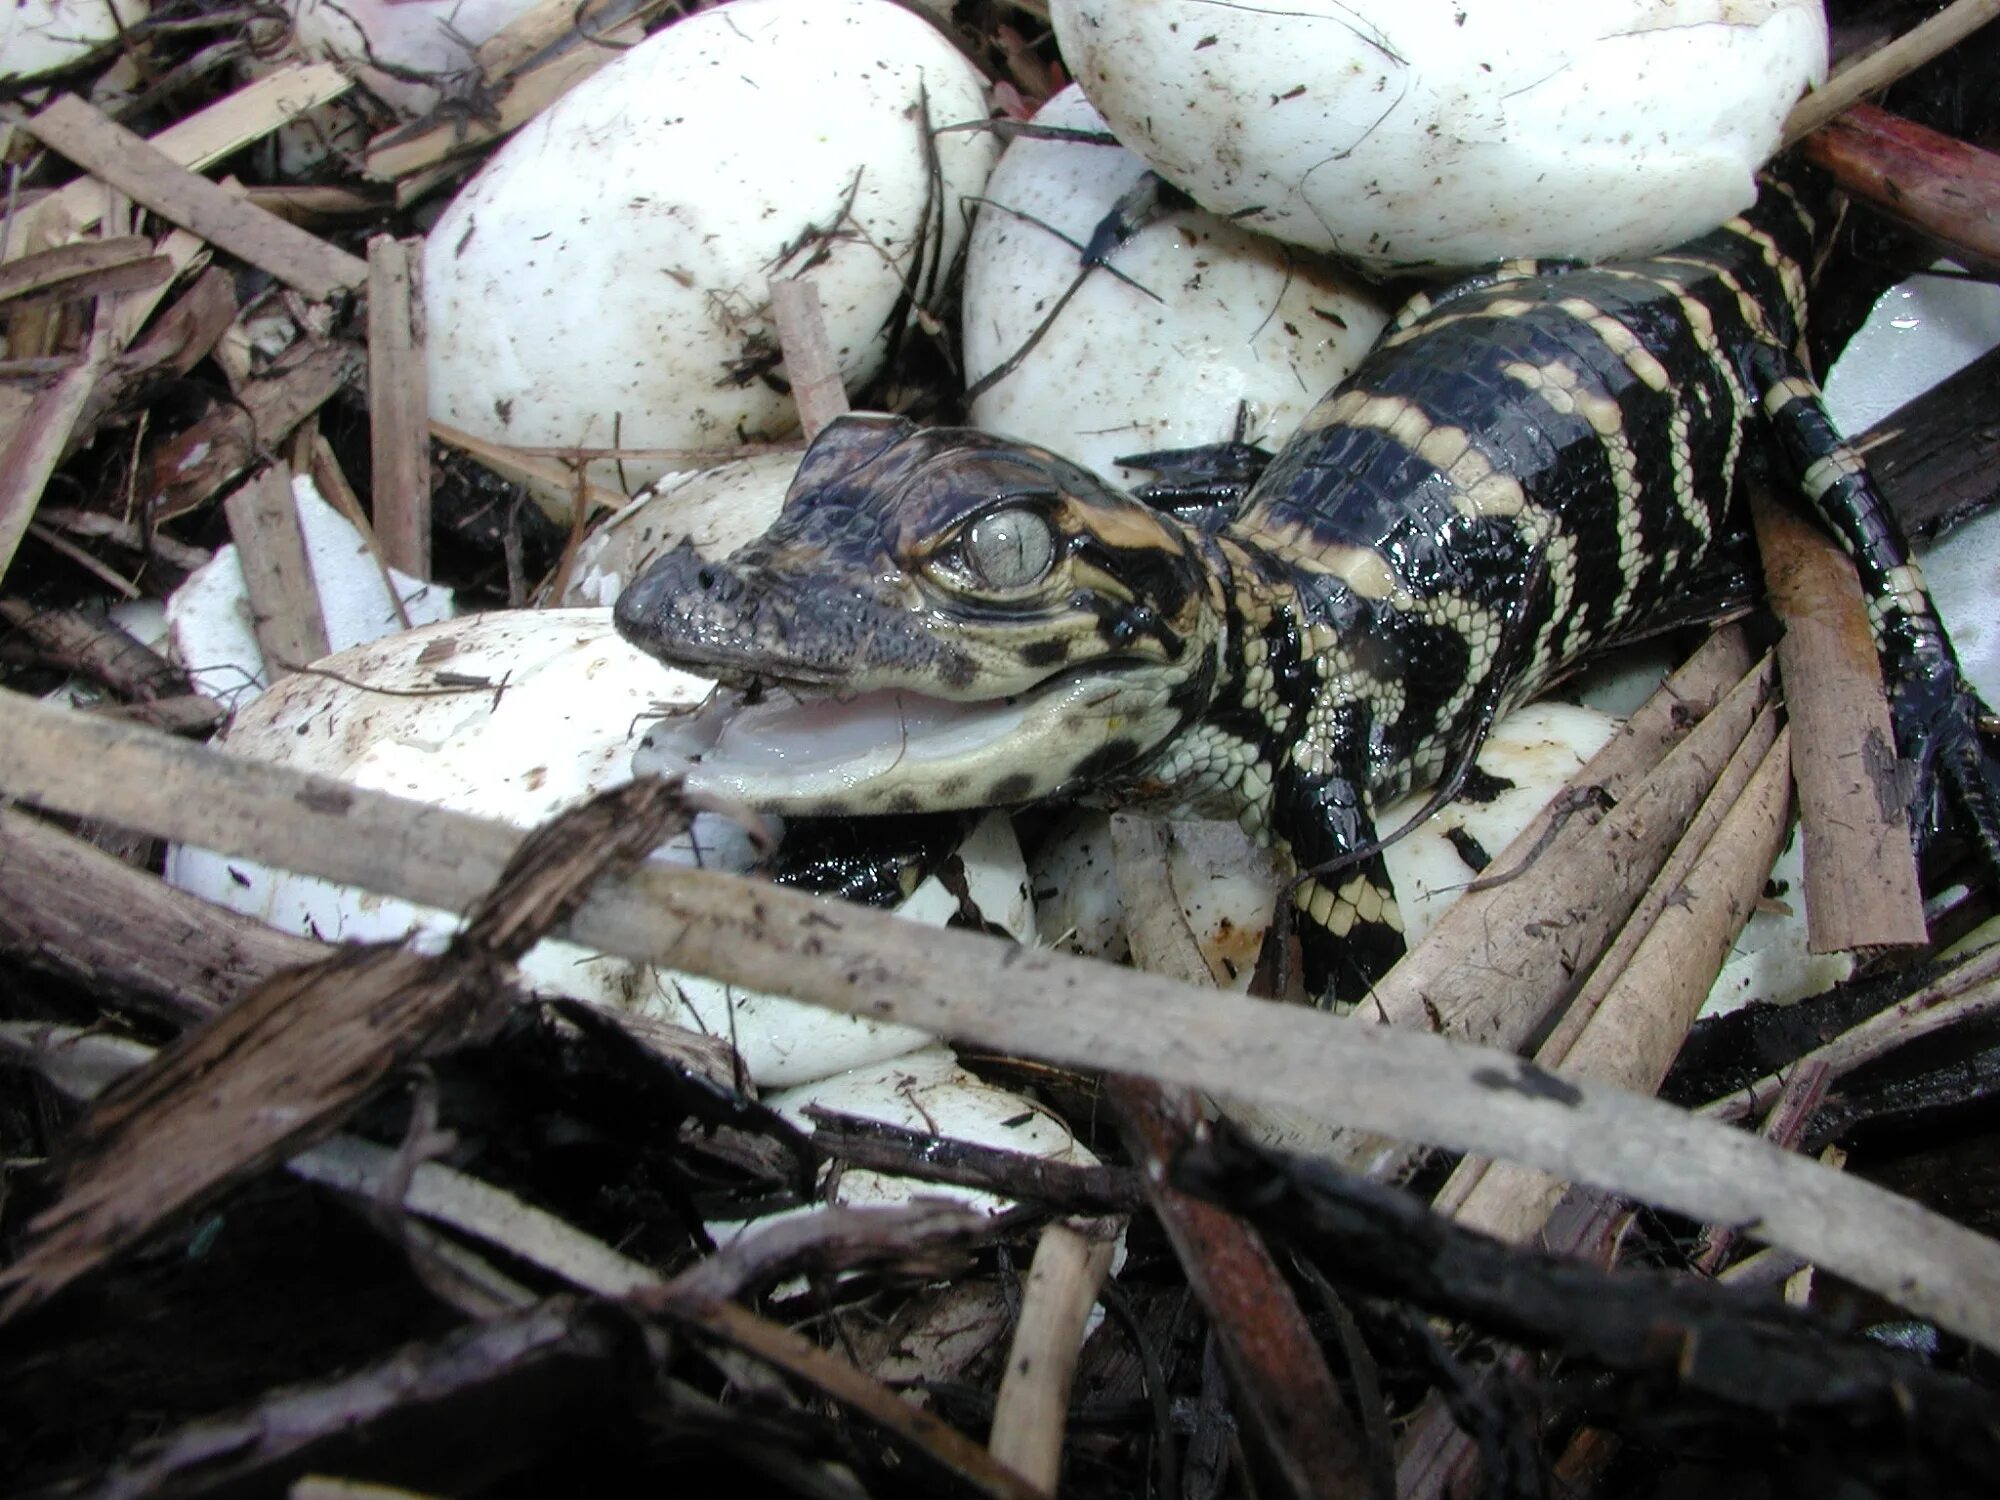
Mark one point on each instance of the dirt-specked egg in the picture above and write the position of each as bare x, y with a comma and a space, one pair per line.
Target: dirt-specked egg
605, 278
1194, 320
1434, 134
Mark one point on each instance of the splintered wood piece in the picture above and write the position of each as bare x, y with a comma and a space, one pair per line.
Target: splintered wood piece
284, 1067
192, 466
108, 151
285, 609
399, 404
1878, 70
200, 140
1636, 1031
1030, 1003
1939, 185
1032, 1409
98, 648
30, 452
1861, 882
74, 908
1966, 994
809, 362
83, 268
540, 26
1937, 458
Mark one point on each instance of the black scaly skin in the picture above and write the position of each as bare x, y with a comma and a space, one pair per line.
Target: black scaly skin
1528, 466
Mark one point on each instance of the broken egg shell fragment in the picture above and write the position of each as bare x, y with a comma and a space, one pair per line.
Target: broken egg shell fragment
1235, 320
717, 510
605, 278
46, 36
1437, 135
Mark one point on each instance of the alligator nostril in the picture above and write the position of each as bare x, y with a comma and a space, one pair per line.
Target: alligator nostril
705, 577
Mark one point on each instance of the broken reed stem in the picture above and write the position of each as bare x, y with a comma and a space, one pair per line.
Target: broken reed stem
1878, 70
810, 364
1967, 993
1031, 1412
1669, 885
1031, 1003
399, 404
1942, 187
1636, 1031
1861, 884
285, 610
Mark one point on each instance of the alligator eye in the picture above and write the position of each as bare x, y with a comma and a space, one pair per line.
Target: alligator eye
1010, 548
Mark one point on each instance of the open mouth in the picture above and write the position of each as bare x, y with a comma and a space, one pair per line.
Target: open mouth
798, 748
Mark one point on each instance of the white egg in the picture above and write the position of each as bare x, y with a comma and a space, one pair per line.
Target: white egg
605, 279
716, 510
552, 706
44, 36
1434, 134
1227, 321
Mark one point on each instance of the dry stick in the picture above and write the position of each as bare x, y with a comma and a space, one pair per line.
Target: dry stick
1453, 981
1878, 70
809, 361
1284, 1389
1500, 961
1032, 1409
399, 404
110, 152
76, 269
1940, 186
1965, 994
198, 141
30, 453
1632, 1039
74, 908
1861, 884
1669, 885
1027, 1002
552, 486
1805, 1091
285, 609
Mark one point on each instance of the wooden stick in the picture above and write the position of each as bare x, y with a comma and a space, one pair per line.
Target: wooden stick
200, 140
1632, 1038
110, 152
1861, 869
1878, 70
1968, 993
29, 454
1946, 188
79, 268
399, 404
285, 610
1032, 1003
809, 360
1032, 1409
552, 486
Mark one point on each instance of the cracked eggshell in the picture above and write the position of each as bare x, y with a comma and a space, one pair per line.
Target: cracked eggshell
605, 278
1237, 321
562, 706
1439, 134
717, 510
45, 36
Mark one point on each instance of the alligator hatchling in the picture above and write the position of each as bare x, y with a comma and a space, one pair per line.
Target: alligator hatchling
1529, 466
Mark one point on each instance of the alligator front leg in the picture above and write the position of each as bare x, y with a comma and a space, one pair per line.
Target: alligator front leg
1350, 929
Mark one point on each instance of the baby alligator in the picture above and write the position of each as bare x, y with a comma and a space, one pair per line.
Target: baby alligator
1530, 465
